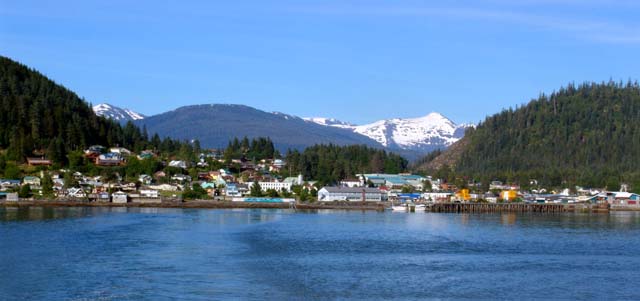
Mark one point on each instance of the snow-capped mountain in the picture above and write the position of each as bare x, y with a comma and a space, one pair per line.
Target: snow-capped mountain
330, 122
118, 114
419, 134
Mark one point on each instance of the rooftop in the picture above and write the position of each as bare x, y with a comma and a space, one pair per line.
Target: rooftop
351, 189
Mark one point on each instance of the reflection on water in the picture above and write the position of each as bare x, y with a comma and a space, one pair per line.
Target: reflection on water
159, 253
508, 218
44, 213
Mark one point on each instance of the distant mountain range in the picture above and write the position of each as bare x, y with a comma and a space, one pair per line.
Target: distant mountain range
422, 134
214, 125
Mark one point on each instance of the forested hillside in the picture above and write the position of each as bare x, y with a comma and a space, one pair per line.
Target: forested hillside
40, 117
254, 149
329, 164
587, 135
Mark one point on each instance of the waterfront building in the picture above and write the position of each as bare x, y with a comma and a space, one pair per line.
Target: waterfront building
119, 197
12, 197
626, 198
278, 186
352, 194
508, 195
149, 193
437, 196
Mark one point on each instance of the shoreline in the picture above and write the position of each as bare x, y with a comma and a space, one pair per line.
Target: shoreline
211, 204
197, 204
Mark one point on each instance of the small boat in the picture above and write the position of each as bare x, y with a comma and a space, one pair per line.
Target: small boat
399, 208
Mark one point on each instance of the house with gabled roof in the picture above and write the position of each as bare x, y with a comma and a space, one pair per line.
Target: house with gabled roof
32, 181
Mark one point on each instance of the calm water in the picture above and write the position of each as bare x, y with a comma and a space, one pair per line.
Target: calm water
162, 254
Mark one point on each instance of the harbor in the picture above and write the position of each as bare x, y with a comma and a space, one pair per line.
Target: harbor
266, 203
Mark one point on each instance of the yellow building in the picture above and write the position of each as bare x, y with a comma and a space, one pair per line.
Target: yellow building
508, 195
463, 194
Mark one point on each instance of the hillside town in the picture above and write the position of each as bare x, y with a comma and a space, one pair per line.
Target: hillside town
261, 181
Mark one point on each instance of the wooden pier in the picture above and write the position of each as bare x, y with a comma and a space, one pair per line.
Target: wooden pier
491, 207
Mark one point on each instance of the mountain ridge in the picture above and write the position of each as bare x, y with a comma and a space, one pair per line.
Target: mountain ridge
410, 137
426, 133
215, 124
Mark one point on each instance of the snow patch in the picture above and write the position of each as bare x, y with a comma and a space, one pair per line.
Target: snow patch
116, 113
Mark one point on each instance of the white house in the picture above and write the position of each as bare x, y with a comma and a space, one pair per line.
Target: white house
178, 163
352, 194
181, 178
294, 180
279, 163
351, 183
278, 186
437, 196
149, 193
145, 179
75, 192
119, 197
165, 187
31, 181
120, 150
12, 197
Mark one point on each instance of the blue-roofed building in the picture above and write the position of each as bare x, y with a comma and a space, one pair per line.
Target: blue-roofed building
208, 185
9, 183
404, 197
394, 181
413, 177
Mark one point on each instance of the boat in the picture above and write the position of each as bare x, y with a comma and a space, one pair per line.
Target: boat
399, 208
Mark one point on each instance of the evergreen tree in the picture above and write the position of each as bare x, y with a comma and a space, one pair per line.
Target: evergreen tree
25, 191
47, 185
256, 190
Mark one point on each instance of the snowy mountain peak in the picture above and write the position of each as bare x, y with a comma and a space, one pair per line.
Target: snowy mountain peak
116, 113
329, 122
420, 134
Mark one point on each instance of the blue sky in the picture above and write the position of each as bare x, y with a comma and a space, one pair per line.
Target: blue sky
357, 61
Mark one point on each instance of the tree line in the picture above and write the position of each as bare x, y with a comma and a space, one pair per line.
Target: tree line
330, 163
